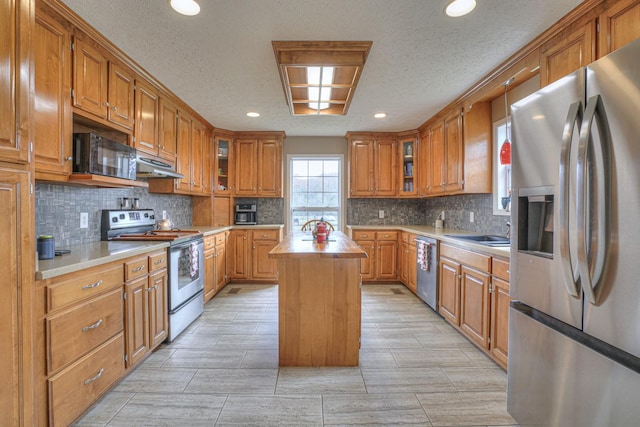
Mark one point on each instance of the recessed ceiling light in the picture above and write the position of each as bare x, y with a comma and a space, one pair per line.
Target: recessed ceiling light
186, 7
460, 7
380, 115
253, 114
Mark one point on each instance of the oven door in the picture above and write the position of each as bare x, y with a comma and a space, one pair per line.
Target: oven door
186, 275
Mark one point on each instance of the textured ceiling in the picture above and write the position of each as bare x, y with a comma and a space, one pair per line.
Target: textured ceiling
221, 61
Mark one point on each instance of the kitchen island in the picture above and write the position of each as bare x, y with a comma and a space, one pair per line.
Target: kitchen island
318, 300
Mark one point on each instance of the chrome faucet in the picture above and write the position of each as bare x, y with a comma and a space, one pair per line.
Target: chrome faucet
508, 230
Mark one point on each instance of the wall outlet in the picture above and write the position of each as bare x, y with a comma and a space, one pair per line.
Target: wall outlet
442, 216
471, 217
84, 220
380, 214
164, 214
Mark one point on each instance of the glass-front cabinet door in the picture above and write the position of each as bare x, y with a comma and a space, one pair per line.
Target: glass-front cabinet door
408, 155
223, 185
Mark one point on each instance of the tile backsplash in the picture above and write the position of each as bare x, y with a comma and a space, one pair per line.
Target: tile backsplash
58, 209
396, 211
270, 210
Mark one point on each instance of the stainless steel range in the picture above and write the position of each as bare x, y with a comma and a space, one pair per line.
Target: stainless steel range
186, 261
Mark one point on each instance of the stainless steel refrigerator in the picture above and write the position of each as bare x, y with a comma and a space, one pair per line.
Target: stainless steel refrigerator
574, 332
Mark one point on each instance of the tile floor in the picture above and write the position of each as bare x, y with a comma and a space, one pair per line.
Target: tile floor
414, 369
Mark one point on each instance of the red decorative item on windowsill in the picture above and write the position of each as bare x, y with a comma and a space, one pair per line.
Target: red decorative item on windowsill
505, 153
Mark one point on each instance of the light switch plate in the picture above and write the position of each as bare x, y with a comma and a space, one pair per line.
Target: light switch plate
380, 214
84, 220
471, 217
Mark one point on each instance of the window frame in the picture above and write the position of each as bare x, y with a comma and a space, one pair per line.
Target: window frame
496, 202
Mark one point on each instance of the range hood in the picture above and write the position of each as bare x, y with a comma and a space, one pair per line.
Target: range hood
149, 167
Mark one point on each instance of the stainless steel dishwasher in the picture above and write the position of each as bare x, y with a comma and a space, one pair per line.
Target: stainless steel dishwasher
427, 265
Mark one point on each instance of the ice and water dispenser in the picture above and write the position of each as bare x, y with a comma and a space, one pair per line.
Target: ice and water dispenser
535, 221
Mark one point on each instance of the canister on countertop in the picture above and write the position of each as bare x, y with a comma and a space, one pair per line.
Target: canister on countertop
46, 247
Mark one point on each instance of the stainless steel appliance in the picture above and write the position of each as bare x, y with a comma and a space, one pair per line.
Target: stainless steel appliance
150, 167
186, 261
574, 340
427, 265
246, 213
101, 156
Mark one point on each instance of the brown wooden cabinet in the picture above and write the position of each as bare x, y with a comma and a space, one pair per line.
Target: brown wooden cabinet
449, 289
373, 170
222, 171
474, 304
52, 123
258, 164
500, 302
619, 25
408, 170
441, 160
215, 264
146, 119
248, 257
381, 247
167, 130
102, 87
408, 269
567, 52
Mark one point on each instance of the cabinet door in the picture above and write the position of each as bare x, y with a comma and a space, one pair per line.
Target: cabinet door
137, 320
619, 25
237, 257
221, 168
567, 54
121, 96
263, 267
412, 272
245, 183
449, 300
158, 308
368, 264
402, 263
269, 168
361, 158
474, 305
209, 274
386, 171
386, 260
17, 273
407, 167
184, 152
438, 165
52, 127
146, 131
89, 79
207, 162
454, 152
500, 301
424, 164
196, 157
221, 271
167, 130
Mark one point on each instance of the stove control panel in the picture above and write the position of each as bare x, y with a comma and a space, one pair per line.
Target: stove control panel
128, 218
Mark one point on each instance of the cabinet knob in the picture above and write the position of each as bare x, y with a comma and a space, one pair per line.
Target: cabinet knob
106, 104
114, 108
69, 158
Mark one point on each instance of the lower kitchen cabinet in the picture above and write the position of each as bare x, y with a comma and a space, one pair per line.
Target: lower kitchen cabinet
248, 255
407, 263
500, 301
382, 252
215, 264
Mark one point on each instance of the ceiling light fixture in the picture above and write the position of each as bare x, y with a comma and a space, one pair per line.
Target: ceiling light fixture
186, 7
253, 114
380, 115
460, 7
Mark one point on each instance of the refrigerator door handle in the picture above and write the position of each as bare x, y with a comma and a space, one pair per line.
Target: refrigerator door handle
571, 272
592, 264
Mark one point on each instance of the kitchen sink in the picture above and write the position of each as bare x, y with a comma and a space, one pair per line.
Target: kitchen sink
484, 239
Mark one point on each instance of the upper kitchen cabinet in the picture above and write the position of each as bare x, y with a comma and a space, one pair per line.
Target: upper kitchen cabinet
567, 52
102, 88
167, 131
52, 122
258, 164
477, 146
145, 135
619, 25
14, 80
222, 171
408, 154
372, 165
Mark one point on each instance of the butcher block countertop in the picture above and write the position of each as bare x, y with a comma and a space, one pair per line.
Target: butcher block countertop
300, 244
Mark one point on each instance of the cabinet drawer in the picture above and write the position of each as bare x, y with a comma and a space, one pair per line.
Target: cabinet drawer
387, 235
500, 268
220, 238
363, 235
209, 243
79, 287
265, 235
158, 261
74, 389
75, 332
135, 268
472, 259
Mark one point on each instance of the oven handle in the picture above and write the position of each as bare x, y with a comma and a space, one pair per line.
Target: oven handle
199, 241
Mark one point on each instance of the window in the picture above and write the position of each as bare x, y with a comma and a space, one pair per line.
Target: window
315, 189
501, 173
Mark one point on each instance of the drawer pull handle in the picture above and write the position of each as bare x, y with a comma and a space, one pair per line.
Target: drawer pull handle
95, 377
160, 261
95, 325
135, 270
93, 285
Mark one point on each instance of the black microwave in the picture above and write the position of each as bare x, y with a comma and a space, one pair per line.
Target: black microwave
95, 154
